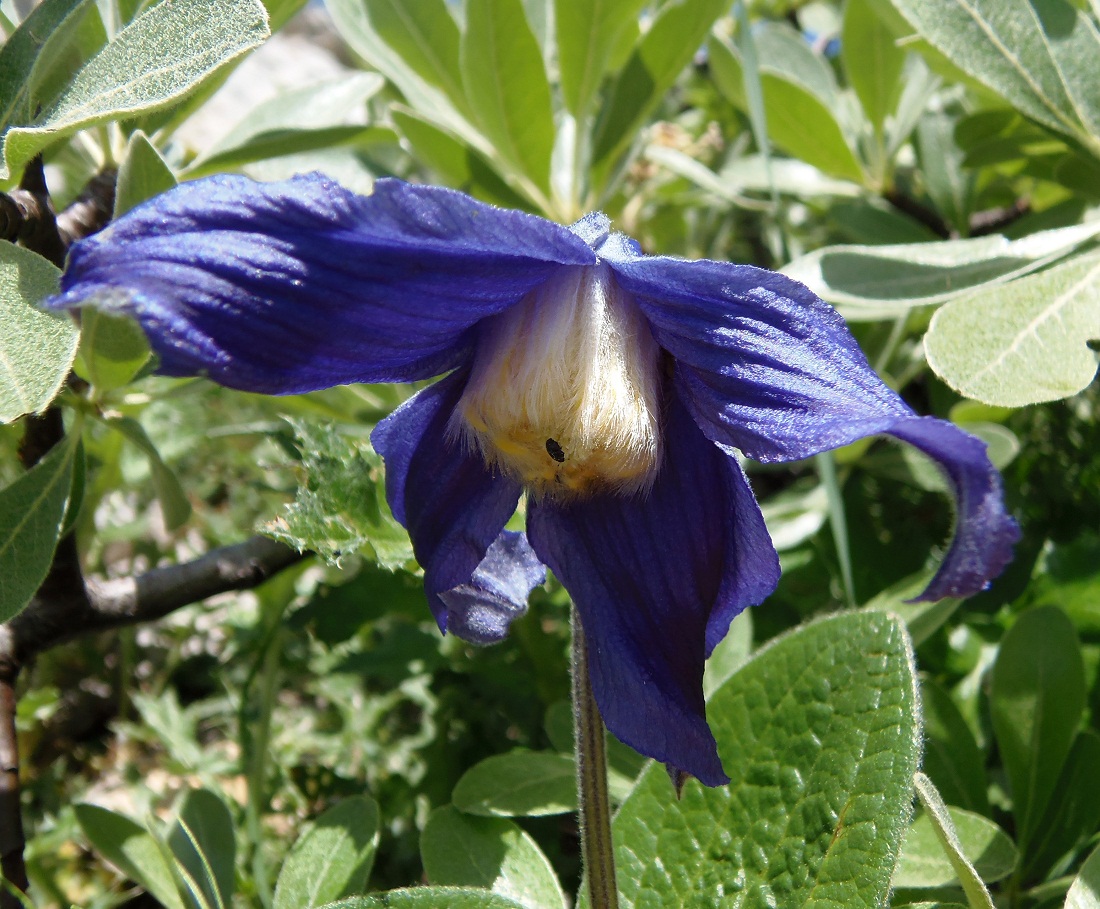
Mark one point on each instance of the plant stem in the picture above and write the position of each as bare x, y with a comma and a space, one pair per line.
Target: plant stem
826, 468
597, 849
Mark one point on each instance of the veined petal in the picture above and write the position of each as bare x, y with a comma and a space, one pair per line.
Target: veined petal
751, 562
657, 579
293, 286
453, 508
769, 368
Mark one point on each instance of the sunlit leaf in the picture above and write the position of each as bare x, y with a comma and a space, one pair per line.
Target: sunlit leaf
1022, 343
489, 852
36, 348
131, 75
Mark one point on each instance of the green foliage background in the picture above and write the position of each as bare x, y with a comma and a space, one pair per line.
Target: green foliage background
930, 167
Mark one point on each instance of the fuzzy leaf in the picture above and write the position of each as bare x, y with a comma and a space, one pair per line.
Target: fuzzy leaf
1022, 343
820, 735
36, 348
868, 283
132, 76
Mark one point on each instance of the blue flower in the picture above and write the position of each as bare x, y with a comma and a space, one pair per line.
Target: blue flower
612, 386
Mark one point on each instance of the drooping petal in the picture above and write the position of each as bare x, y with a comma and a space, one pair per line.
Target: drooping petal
293, 286
482, 610
769, 368
984, 533
657, 578
453, 508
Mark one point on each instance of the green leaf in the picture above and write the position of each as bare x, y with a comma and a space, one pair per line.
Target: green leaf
587, 35
113, 349
314, 117
943, 828
925, 863
800, 98
380, 31
950, 186
333, 858
720, 189
22, 50
32, 511
920, 84
872, 60
791, 177
952, 758
1022, 343
1036, 701
783, 51
489, 852
457, 163
204, 844
1084, 892
132, 849
518, 784
142, 175
803, 126
921, 619
425, 37
131, 76
1068, 576
1073, 812
868, 283
79, 38
280, 11
507, 88
872, 221
431, 898
36, 348
676, 33
1027, 53
820, 735
341, 502
174, 503
1073, 41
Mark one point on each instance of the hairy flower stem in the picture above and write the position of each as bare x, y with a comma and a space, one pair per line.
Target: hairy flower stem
597, 850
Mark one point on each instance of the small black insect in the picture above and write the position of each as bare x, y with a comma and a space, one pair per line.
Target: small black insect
554, 450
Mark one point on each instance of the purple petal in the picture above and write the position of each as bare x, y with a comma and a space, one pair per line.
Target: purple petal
293, 286
751, 562
482, 610
657, 578
453, 508
984, 533
769, 368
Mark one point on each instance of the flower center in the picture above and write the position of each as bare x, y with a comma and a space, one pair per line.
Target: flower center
564, 390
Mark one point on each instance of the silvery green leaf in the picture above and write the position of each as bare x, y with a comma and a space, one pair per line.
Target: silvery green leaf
867, 283
1024, 342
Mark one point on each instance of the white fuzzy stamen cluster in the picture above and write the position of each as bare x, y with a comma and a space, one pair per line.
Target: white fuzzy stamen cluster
564, 394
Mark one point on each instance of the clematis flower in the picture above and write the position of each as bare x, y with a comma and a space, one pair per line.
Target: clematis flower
613, 387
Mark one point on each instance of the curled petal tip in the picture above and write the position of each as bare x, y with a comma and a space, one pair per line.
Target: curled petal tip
482, 610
